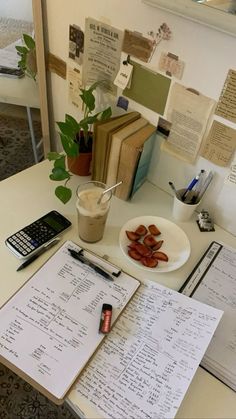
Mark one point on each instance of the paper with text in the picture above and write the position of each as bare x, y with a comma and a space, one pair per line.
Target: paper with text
220, 144
218, 289
49, 329
189, 112
226, 106
102, 52
145, 365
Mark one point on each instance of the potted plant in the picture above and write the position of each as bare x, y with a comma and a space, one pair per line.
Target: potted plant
27, 53
76, 139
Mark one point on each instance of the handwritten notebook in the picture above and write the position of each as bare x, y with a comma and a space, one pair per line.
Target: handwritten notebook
145, 365
213, 281
49, 328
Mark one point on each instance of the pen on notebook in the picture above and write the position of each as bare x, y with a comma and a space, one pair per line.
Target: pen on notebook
95, 267
191, 185
40, 252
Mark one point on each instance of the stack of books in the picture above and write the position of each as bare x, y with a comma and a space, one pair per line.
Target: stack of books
122, 151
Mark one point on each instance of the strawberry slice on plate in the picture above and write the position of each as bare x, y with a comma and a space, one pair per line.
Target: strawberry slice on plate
141, 230
154, 230
132, 236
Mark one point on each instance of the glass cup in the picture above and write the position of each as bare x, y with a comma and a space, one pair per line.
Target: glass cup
92, 214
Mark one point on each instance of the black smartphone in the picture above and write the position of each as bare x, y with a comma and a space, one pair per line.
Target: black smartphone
34, 236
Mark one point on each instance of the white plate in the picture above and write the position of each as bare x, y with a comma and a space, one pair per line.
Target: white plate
176, 244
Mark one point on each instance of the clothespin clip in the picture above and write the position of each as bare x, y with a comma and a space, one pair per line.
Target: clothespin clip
123, 78
127, 61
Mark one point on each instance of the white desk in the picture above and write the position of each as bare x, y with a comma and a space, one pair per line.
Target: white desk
23, 92
30, 194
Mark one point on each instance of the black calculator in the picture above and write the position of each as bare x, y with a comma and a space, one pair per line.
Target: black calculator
34, 236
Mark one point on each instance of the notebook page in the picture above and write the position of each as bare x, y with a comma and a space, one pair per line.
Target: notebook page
145, 365
49, 329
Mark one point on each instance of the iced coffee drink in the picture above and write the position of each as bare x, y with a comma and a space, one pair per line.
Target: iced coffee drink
92, 211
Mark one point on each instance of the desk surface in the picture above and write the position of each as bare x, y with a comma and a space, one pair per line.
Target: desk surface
30, 194
23, 91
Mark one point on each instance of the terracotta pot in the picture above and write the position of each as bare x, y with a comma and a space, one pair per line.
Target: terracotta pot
81, 164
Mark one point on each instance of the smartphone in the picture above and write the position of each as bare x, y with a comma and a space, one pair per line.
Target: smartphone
34, 236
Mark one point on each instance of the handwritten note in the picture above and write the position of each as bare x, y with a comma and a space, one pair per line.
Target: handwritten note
49, 329
218, 288
147, 362
227, 103
220, 144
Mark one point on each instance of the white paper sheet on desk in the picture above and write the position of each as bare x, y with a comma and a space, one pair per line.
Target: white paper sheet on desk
50, 328
145, 365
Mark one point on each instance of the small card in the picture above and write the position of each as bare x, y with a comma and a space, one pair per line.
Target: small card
137, 45
123, 78
171, 64
74, 85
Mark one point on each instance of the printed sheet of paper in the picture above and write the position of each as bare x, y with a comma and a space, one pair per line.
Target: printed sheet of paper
102, 52
227, 103
50, 328
74, 85
220, 144
145, 365
231, 178
218, 288
189, 112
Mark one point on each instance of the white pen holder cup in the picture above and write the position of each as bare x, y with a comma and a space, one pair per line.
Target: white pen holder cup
181, 210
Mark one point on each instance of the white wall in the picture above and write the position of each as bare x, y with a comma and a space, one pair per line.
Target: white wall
16, 9
208, 55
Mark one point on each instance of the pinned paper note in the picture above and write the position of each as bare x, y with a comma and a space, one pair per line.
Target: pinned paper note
74, 85
231, 178
123, 78
227, 103
220, 144
171, 65
148, 88
137, 45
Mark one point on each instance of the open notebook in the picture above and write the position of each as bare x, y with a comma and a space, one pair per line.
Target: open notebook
143, 367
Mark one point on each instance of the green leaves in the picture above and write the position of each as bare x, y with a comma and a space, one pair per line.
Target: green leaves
75, 138
63, 193
29, 41
27, 55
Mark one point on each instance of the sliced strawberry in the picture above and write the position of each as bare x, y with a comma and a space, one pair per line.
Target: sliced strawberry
132, 236
143, 250
141, 230
149, 240
160, 256
154, 230
158, 245
133, 245
149, 262
134, 254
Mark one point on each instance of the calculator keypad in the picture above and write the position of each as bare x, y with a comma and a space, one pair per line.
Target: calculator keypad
31, 237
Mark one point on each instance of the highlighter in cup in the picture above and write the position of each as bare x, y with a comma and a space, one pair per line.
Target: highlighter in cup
92, 212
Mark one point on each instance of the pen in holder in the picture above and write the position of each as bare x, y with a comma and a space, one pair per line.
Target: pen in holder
183, 211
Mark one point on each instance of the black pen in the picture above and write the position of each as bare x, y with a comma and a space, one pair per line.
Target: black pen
96, 268
40, 252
